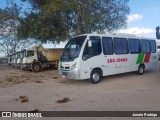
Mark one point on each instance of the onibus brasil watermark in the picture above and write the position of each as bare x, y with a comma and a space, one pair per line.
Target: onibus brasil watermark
80, 114
19, 114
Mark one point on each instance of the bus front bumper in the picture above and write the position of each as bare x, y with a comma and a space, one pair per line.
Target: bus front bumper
72, 74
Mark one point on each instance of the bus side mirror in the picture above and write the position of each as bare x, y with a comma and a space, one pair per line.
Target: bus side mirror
89, 43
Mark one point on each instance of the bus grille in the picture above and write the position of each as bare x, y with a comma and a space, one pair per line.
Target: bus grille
64, 70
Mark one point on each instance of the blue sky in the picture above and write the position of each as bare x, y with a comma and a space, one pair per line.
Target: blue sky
143, 18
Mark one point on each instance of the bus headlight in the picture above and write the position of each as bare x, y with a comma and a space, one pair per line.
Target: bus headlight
74, 65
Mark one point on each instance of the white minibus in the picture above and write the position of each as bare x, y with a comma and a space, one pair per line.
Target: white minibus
91, 56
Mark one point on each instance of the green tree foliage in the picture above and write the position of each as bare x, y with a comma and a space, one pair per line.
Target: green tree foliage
56, 20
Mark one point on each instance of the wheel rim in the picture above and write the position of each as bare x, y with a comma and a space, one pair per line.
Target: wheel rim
141, 70
95, 77
36, 68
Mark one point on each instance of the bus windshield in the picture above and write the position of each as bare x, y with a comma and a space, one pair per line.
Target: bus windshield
72, 49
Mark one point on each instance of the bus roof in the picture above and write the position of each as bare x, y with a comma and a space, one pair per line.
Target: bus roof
118, 35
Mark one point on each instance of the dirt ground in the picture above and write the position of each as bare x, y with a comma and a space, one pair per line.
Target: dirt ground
45, 91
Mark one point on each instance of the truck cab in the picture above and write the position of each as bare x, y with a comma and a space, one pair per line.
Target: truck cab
20, 58
29, 57
17, 56
9, 59
14, 59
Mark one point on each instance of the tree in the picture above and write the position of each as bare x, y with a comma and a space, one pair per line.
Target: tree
9, 21
59, 19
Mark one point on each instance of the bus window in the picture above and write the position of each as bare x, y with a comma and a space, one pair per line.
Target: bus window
94, 49
107, 45
120, 45
134, 46
145, 46
153, 46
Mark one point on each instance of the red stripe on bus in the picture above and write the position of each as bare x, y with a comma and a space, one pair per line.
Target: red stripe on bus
147, 57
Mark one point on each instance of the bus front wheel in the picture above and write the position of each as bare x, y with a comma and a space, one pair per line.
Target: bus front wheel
95, 77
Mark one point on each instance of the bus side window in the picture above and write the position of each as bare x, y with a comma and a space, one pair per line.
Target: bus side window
153, 46
94, 49
120, 45
134, 46
107, 45
145, 46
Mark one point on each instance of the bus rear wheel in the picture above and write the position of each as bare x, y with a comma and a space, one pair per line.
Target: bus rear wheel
95, 77
140, 70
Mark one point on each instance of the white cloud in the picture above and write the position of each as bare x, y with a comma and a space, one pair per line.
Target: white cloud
137, 31
134, 17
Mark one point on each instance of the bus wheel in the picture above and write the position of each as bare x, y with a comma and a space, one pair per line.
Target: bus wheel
36, 67
95, 76
140, 70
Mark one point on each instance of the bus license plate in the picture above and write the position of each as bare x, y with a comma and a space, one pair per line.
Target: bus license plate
63, 76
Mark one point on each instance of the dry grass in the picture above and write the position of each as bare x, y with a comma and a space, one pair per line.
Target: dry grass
38, 81
64, 100
11, 76
55, 77
24, 99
